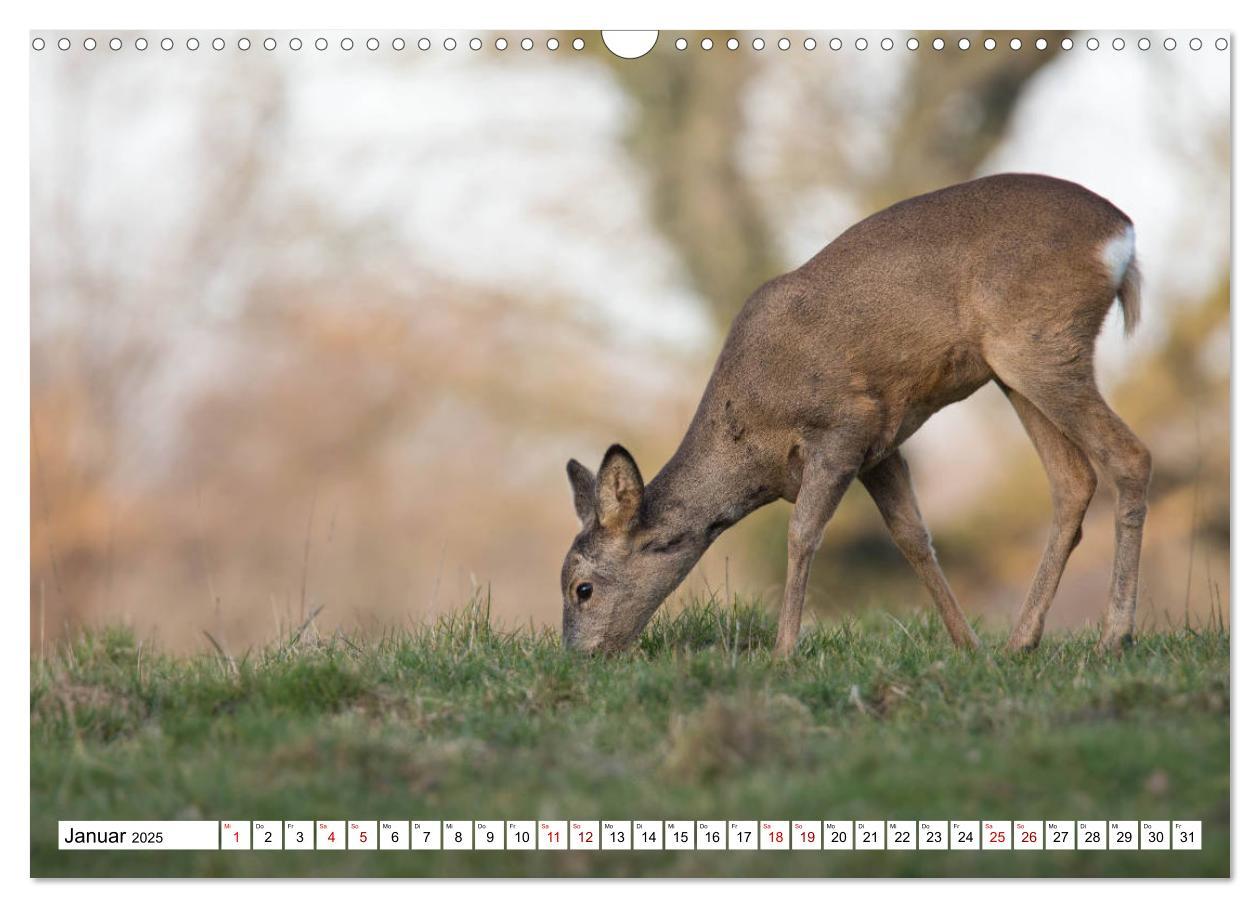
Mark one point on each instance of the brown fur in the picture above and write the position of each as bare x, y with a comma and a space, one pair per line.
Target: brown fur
828, 369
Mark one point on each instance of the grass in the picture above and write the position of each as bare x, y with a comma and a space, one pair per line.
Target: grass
874, 718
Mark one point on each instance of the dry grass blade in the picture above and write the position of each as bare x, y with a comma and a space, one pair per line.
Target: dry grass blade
855, 697
297, 635
223, 654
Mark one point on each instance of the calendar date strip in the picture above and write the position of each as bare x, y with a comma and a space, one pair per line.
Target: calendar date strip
631, 835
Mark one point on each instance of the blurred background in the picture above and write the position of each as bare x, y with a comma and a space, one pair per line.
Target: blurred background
321, 328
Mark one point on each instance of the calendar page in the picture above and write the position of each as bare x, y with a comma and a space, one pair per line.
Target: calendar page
698, 453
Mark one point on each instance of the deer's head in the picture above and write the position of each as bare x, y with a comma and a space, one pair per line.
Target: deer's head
620, 568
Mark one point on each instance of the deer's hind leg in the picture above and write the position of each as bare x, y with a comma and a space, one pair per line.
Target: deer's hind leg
890, 487
1072, 484
1062, 387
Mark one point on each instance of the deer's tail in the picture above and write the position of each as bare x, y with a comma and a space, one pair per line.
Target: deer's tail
1119, 257
1130, 295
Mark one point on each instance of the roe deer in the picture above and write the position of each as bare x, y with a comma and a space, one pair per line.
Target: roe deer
829, 368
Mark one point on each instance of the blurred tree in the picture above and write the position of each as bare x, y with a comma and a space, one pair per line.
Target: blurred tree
956, 114
691, 123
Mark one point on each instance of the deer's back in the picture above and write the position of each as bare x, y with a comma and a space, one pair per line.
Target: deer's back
899, 308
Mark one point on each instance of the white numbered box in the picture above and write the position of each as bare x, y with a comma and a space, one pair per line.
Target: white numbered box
680, 835
964, 835
900, 835
711, 835
1091, 835
583, 835
361, 835
615, 835
933, 835
553, 835
995, 835
457, 835
838, 835
1029, 835
426, 835
234, 835
1060, 835
1187, 835
268, 835
1122, 835
775, 835
393, 835
299, 835
330, 835
741, 835
649, 835
488, 835
1156, 835
868, 835
806, 835
522, 835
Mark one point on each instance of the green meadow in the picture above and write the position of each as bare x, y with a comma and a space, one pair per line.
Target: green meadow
873, 718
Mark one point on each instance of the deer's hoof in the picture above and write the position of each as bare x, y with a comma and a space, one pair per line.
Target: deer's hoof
968, 642
784, 650
1023, 640
1114, 643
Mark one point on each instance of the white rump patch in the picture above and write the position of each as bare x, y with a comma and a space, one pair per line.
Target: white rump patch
1117, 253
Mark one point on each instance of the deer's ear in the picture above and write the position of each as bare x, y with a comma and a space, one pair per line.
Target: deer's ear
618, 489
582, 482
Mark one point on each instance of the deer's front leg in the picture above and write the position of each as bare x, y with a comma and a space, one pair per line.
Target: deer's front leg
823, 483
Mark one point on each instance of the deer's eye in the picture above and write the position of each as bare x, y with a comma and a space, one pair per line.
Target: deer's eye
584, 591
